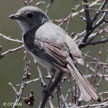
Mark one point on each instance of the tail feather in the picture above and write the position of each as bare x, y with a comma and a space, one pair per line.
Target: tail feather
86, 89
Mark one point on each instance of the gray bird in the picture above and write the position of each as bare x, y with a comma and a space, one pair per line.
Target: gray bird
52, 47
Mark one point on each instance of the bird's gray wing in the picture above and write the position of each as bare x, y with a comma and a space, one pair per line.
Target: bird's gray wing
51, 52
74, 50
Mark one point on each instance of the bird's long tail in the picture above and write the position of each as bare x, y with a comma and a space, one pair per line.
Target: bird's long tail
86, 89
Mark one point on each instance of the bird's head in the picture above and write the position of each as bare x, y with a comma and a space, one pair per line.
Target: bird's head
29, 17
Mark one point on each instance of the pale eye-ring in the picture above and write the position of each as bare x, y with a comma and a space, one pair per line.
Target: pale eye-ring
30, 14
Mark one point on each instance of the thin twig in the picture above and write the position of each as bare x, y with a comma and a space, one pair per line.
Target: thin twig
9, 38
97, 42
99, 10
30, 81
40, 76
23, 84
14, 89
11, 51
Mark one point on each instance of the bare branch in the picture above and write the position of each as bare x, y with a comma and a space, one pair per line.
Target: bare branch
97, 42
14, 89
87, 15
10, 39
23, 84
11, 51
40, 76
51, 88
99, 10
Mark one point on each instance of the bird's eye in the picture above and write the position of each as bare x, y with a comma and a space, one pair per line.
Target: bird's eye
29, 15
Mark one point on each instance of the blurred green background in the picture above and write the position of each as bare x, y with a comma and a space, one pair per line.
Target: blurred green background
11, 66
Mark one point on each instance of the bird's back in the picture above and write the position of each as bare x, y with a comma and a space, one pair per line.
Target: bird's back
51, 32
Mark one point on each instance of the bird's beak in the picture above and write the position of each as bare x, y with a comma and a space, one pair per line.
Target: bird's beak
14, 16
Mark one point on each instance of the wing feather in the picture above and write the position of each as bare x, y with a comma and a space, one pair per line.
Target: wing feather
51, 52
74, 50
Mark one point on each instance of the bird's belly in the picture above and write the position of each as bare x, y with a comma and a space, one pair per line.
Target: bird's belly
42, 62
